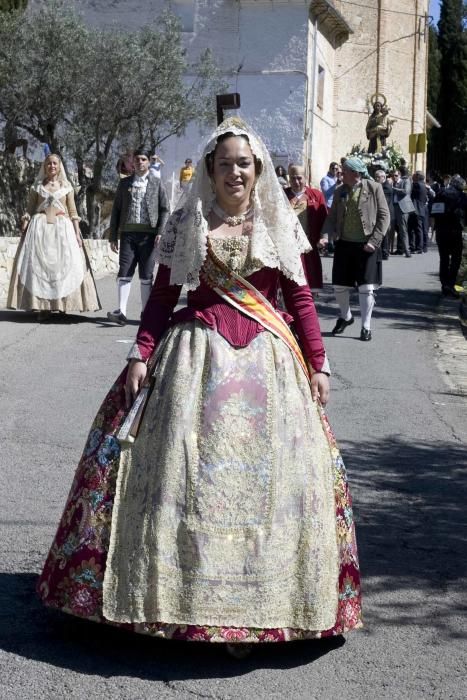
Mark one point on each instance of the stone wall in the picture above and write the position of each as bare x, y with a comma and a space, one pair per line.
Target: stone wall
103, 261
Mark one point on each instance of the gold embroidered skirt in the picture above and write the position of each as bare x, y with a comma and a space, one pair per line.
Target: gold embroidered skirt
225, 509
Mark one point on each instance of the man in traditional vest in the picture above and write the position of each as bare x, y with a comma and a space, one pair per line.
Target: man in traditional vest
357, 221
139, 214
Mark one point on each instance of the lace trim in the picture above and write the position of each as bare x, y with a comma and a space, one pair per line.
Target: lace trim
277, 238
244, 472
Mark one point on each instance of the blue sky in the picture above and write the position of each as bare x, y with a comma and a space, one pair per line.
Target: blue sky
434, 10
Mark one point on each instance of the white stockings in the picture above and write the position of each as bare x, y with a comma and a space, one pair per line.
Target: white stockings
124, 286
343, 301
367, 302
366, 298
146, 286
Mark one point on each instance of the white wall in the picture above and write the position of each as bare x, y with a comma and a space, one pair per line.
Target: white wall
245, 35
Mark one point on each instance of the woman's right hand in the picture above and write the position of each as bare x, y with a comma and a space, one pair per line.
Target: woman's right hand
136, 375
25, 219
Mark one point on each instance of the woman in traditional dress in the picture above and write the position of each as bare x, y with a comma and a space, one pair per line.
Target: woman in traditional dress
51, 271
228, 518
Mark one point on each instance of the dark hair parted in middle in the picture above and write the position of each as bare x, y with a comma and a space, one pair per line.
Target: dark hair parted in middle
223, 137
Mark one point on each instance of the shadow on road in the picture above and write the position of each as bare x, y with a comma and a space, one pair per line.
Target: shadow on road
403, 308
32, 631
412, 528
58, 319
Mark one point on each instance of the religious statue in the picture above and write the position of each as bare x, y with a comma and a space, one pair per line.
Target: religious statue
378, 126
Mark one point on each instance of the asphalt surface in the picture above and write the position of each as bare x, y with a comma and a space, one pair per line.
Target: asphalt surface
398, 407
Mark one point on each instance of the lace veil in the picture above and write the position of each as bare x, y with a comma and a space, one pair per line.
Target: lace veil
277, 238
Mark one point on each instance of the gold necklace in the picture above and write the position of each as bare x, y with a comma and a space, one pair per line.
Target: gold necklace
231, 220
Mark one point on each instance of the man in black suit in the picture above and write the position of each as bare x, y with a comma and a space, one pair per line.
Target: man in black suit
449, 209
380, 176
139, 214
418, 235
403, 206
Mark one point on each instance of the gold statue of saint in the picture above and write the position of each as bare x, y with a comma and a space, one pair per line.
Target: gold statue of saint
378, 126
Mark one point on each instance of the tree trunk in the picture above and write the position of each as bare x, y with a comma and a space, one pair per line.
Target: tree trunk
92, 190
80, 197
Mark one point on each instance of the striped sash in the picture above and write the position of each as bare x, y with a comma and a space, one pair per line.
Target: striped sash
242, 295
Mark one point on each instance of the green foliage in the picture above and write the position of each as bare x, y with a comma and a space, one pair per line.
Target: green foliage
452, 103
83, 91
391, 157
9, 5
434, 67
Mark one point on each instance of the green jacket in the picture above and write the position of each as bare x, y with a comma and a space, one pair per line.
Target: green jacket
373, 209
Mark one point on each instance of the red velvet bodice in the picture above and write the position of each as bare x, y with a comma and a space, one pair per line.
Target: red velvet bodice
205, 305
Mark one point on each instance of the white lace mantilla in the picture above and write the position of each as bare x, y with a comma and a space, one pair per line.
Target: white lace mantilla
277, 238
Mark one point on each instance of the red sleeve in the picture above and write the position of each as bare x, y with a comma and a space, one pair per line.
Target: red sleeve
299, 302
317, 213
157, 312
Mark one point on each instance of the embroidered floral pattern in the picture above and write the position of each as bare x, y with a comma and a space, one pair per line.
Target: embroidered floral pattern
72, 578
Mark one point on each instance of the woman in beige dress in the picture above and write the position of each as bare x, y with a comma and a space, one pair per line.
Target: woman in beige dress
51, 271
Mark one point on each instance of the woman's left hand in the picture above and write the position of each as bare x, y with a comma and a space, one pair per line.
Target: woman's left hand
80, 241
369, 248
320, 387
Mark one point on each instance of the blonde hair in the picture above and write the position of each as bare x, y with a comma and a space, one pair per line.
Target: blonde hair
61, 174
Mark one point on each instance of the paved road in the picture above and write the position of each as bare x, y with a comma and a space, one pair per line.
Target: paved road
398, 408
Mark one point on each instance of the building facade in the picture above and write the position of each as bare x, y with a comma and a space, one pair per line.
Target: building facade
306, 70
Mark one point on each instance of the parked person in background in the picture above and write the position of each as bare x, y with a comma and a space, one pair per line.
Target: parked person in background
329, 183
388, 240
186, 174
450, 213
328, 186
403, 206
358, 220
51, 271
310, 207
139, 213
156, 165
125, 164
418, 231
282, 176
432, 187
445, 180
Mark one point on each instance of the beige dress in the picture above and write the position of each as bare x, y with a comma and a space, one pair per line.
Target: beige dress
51, 272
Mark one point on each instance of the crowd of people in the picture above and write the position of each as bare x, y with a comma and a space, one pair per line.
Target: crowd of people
211, 501
419, 208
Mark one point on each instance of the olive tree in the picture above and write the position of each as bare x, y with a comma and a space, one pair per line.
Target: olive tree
83, 91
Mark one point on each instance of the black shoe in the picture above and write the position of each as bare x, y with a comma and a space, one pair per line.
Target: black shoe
341, 325
385, 256
397, 252
419, 252
365, 334
448, 291
408, 255
116, 317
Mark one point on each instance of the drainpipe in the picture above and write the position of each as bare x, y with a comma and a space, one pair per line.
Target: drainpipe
414, 81
310, 106
378, 48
